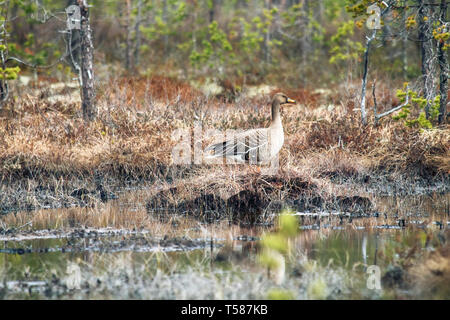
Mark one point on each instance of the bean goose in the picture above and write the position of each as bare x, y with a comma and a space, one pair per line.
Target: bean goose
256, 146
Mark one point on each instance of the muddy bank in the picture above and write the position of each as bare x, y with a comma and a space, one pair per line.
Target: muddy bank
43, 189
387, 183
251, 198
16, 234
32, 188
96, 240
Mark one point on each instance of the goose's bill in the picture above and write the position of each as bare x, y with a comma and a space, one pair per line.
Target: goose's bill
291, 101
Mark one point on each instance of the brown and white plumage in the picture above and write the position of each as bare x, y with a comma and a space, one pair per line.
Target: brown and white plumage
256, 146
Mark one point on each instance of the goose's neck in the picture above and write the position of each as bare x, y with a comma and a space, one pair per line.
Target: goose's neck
276, 118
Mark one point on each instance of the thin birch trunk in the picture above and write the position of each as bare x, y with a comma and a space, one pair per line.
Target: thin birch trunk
138, 34
425, 53
128, 43
364, 79
87, 62
443, 65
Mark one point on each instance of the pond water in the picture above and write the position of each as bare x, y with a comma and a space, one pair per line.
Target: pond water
184, 258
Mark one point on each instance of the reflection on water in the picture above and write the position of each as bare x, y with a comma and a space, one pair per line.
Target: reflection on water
368, 248
340, 249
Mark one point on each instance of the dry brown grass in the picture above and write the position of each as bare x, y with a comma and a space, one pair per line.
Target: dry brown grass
131, 138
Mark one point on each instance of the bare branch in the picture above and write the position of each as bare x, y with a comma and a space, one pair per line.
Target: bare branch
379, 116
374, 102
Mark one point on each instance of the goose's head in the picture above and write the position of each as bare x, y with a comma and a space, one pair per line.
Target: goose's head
281, 99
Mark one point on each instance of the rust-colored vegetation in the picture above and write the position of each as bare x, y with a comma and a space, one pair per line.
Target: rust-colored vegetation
46, 146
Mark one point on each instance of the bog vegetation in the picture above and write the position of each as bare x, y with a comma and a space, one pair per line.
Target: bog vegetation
370, 78
92, 94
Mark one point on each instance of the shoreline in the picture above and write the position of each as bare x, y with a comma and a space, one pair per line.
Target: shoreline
52, 191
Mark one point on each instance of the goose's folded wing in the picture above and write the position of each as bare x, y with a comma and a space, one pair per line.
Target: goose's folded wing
245, 145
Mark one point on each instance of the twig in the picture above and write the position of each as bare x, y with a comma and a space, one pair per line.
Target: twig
377, 117
26, 224
374, 102
14, 229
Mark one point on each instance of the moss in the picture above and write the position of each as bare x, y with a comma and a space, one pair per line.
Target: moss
317, 290
280, 294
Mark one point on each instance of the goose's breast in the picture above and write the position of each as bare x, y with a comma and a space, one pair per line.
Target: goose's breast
276, 140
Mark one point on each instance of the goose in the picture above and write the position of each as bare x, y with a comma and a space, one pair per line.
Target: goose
256, 146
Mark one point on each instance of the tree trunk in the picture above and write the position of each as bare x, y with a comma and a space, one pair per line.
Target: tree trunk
74, 46
425, 52
305, 36
3, 54
443, 65
3, 84
87, 62
166, 36
212, 10
364, 79
267, 56
138, 34
366, 68
128, 43
404, 47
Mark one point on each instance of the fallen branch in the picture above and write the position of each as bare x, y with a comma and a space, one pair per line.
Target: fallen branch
379, 116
